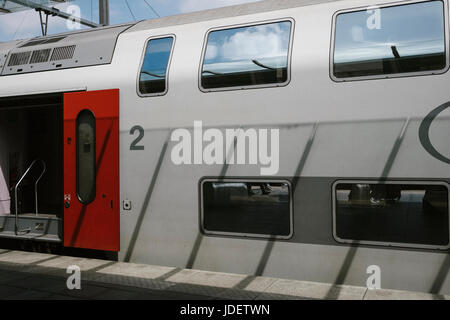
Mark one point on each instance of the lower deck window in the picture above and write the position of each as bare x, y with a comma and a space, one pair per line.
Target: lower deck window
392, 213
253, 208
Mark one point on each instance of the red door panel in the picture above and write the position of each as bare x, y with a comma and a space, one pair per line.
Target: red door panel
91, 189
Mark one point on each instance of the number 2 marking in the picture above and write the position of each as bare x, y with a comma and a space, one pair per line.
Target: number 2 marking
134, 145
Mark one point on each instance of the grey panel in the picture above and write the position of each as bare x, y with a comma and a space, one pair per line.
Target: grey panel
78, 49
4, 51
63, 53
40, 56
41, 41
19, 58
313, 212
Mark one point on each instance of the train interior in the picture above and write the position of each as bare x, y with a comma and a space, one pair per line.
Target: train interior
31, 163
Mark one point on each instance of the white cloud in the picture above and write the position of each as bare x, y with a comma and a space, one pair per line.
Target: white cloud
26, 24
11, 25
268, 44
257, 42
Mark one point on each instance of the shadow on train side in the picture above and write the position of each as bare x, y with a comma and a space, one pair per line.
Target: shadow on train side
299, 185
342, 274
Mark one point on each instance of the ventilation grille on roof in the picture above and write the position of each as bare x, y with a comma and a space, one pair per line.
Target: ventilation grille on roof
42, 41
19, 58
40, 56
62, 53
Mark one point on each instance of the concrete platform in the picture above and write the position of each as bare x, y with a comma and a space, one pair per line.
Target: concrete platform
37, 276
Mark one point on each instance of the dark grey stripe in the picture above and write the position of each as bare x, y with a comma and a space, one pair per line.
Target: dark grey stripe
424, 133
441, 276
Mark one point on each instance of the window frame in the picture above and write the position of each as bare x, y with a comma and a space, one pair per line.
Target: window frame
386, 243
93, 196
206, 232
243, 25
144, 51
394, 75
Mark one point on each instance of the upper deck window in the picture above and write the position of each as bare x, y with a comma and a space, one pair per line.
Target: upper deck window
390, 40
247, 56
153, 74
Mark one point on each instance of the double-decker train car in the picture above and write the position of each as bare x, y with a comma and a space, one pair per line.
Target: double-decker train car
295, 139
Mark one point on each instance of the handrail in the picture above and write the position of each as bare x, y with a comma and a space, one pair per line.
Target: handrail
35, 185
35, 192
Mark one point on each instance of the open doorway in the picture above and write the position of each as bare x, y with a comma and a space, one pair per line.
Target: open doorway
31, 131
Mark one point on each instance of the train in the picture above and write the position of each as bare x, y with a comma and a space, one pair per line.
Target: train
293, 139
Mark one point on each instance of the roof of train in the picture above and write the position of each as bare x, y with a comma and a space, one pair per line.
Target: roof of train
225, 12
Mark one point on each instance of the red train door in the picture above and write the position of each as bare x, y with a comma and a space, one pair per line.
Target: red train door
91, 170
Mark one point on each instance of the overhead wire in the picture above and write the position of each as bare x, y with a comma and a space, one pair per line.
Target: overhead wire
151, 8
129, 8
126, 2
25, 14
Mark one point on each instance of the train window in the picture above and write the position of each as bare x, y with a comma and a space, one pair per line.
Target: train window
382, 42
155, 66
247, 56
247, 208
391, 213
86, 156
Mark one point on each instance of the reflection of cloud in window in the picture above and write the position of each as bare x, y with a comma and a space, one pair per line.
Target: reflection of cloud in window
211, 52
237, 49
357, 34
160, 45
261, 42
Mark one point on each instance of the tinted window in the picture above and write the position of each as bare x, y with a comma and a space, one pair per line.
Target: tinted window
152, 79
249, 208
393, 213
246, 56
399, 39
86, 147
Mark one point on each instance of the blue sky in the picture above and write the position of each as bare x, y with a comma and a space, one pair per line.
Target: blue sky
25, 24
